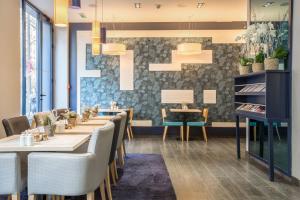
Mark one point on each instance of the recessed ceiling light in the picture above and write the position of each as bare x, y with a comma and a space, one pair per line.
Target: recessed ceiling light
200, 4
137, 5
268, 4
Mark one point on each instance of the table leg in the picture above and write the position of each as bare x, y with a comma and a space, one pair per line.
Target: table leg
238, 145
271, 151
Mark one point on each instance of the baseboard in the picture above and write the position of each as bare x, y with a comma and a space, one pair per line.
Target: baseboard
194, 131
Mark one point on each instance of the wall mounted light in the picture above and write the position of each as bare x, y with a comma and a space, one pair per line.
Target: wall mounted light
61, 13
75, 4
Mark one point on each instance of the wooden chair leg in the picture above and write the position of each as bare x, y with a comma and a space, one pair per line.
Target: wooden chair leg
62, 197
131, 132
115, 168
9, 197
124, 150
112, 172
90, 196
108, 186
181, 133
53, 197
187, 133
254, 133
120, 156
15, 196
102, 191
31, 197
204, 133
128, 134
57, 197
165, 133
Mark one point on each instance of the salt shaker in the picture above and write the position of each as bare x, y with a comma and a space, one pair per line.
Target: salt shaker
29, 140
22, 139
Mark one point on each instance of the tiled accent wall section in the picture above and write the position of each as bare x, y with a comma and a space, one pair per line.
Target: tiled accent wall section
146, 96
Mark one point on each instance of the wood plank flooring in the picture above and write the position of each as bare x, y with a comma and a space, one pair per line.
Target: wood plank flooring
211, 171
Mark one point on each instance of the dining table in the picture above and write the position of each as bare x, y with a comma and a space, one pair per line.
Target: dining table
94, 122
57, 143
185, 113
104, 117
77, 130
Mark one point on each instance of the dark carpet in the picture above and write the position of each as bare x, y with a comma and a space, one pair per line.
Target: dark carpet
144, 177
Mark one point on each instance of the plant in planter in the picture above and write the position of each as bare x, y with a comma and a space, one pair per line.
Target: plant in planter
94, 111
245, 65
258, 64
49, 124
72, 118
280, 54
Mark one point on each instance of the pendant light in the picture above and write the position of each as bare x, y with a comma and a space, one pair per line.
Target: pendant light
102, 29
75, 4
189, 48
113, 49
61, 13
96, 34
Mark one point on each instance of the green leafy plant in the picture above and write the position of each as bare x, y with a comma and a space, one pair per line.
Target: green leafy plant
72, 114
280, 53
246, 61
260, 57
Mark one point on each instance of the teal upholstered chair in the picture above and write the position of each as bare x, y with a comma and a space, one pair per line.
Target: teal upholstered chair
166, 124
199, 124
275, 124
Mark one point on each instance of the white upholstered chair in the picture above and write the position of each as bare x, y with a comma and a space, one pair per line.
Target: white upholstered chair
67, 174
11, 181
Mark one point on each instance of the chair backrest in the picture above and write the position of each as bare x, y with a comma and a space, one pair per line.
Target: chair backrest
123, 116
205, 114
117, 121
40, 117
15, 125
10, 173
100, 145
163, 114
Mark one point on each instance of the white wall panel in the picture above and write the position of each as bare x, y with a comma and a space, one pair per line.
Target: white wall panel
127, 71
177, 96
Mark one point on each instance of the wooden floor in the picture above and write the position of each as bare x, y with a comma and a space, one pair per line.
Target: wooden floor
211, 171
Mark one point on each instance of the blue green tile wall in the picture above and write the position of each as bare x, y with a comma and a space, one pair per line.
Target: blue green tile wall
145, 98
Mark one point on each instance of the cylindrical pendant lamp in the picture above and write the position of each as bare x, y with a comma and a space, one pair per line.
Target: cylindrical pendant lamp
61, 13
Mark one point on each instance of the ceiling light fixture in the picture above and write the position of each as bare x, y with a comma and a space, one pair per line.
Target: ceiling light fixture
268, 4
137, 5
75, 4
61, 13
200, 4
96, 33
189, 48
113, 49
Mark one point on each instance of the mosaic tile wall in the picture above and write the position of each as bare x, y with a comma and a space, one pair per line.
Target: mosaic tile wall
145, 98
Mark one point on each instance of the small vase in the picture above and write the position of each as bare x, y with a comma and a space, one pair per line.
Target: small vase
271, 64
257, 67
244, 69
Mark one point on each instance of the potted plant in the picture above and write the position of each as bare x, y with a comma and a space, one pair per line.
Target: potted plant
258, 64
245, 65
72, 118
279, 56
94, 111
49, 124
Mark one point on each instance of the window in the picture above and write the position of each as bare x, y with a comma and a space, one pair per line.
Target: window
37, 61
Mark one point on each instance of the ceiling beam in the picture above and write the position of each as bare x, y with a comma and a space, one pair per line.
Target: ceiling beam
175, 25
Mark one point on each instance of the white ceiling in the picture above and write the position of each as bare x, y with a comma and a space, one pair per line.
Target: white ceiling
170, 11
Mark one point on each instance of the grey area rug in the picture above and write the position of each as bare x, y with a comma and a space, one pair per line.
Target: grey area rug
144, 177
